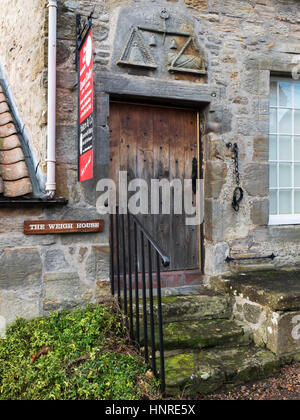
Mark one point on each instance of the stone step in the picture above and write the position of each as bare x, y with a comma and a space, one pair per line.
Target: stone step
198, 307
201, 334
192, 373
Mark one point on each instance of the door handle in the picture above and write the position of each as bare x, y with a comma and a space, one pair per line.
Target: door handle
194, 175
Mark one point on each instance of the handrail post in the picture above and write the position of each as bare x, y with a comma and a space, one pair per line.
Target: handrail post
160, 326
130, 275
144, 298
130, 257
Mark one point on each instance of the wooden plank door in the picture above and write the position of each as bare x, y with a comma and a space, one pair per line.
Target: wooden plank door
152, 142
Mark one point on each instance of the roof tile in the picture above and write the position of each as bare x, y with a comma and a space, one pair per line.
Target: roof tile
10, 142
7, 130
14, 171
17, 188
5, 118
11, 156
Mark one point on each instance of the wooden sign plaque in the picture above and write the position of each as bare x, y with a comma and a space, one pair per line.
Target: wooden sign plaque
48, 227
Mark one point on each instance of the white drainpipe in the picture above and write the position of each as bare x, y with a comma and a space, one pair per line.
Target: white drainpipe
51, 147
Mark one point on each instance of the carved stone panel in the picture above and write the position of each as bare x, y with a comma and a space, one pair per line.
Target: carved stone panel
160, 40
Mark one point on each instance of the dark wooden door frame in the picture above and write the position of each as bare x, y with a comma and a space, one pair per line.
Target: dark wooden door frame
179, 121
110, 86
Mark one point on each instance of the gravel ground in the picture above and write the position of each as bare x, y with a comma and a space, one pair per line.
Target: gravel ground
284, 386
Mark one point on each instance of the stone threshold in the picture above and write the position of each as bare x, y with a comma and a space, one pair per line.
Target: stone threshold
277, 289
267, 302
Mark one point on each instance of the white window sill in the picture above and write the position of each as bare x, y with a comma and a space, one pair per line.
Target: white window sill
284, 220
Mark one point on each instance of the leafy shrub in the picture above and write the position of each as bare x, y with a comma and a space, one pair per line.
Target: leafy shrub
72, 355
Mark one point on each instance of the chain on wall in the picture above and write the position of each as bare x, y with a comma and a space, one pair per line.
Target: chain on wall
238, 194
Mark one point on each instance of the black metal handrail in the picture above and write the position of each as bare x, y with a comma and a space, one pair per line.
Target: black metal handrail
131, 247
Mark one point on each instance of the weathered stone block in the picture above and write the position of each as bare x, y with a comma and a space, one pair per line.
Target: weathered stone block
20, 268
61, 291
13, 305
67, 150
97, 264
63, 52
197, 4
256, 179
102, 289
283, 333
213, 220
55, 260
215, 176
257, 82
260, 212
252, 313
261, 149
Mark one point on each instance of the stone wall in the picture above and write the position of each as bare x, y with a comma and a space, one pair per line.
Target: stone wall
41, 274
22, 56
244, 41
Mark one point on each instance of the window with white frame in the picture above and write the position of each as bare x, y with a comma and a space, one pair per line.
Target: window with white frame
284, 152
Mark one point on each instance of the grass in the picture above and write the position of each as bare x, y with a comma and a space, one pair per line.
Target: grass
79, 355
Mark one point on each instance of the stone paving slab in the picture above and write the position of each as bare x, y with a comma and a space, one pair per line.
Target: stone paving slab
193, 373
203, 334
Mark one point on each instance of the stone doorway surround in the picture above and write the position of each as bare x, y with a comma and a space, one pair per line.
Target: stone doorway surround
143, 38
203, 97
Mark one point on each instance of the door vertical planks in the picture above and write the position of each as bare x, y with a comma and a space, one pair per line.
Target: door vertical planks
152, 142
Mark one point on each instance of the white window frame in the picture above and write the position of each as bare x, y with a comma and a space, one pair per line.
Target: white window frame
284, 219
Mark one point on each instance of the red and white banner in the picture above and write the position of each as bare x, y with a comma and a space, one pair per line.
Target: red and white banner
86, 108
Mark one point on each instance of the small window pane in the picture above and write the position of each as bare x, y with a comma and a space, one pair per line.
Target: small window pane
297, 122
285, 121
297, 175
285, 94
297, 148
273, 94
285, 148
273, 147
285, 175
297, 95
273, 175
297, 202
285, 202
273, 121
273, 202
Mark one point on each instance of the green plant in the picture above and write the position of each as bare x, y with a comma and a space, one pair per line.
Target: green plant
82, 354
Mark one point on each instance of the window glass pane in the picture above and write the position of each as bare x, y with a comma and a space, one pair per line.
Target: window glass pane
285, 94
285, 148
285, 121
273, 121
297, 95
297, 122
285, 202
273, 147
297, 202
297, 174
273, 175
273, 94
273, 202
285, 175
297, 148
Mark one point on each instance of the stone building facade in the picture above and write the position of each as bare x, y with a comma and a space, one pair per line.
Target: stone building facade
242, 45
